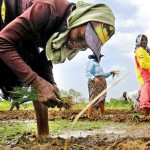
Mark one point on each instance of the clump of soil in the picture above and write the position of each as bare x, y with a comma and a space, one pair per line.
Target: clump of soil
70, 114
67, 102
97, 142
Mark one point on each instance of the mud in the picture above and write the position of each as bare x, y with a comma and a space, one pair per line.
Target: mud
134, 136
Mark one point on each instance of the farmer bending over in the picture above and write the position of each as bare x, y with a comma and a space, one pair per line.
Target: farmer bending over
61, 29
132, 97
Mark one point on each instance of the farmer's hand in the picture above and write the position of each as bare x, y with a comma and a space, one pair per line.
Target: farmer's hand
115, 73
57, 93
46, 92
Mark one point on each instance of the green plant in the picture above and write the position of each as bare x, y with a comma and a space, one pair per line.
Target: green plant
24, 94
118, 104
11, 131
135, 117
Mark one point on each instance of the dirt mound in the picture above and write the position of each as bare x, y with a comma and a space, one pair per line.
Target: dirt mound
98, 142
110, 115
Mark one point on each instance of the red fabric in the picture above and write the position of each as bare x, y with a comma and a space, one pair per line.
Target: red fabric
145, 96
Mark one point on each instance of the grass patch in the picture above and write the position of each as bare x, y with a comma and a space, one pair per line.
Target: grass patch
113, 104
62, 126
118, 104
5, 105
79, 105
59, 125
9, 131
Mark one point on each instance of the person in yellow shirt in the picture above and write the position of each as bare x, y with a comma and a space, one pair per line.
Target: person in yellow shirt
142, 60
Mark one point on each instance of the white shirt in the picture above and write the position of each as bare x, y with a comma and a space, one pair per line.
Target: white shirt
133, 96
93, 69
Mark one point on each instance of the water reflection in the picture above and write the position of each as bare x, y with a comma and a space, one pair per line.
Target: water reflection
84, 134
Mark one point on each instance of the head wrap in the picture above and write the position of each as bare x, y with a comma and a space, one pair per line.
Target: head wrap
138, 42
56, 51
103, 31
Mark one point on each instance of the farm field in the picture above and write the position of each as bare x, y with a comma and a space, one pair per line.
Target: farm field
120, 129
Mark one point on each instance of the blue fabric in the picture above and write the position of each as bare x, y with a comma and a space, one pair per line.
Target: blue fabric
93, 69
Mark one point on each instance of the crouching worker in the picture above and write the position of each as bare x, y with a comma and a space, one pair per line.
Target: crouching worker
61, 29
132, 97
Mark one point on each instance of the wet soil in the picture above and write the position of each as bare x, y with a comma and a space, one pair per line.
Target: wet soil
135, 137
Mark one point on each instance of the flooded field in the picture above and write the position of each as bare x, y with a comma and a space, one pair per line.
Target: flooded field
120, 131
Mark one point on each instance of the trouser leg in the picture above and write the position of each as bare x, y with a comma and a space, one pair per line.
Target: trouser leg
17, 105
12, 106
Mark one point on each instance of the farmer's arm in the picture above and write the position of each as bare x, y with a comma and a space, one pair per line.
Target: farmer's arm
105, 74
30, 22
44, 68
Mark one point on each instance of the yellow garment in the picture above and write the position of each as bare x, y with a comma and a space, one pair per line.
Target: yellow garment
3, 10
143, 58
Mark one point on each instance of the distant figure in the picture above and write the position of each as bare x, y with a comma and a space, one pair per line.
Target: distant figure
142, 60
96, 83
132, 97
6, 95
13, 105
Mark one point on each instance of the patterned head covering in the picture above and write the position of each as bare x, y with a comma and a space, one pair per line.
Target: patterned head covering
56, 50
96, 35
138, 42
103, 31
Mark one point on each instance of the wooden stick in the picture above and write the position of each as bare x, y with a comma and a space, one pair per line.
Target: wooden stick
91, 102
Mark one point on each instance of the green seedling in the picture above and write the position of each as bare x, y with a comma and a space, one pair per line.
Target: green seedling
135, 117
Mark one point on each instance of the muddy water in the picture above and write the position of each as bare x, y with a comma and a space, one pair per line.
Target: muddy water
83, 134
125, 135
122, 131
